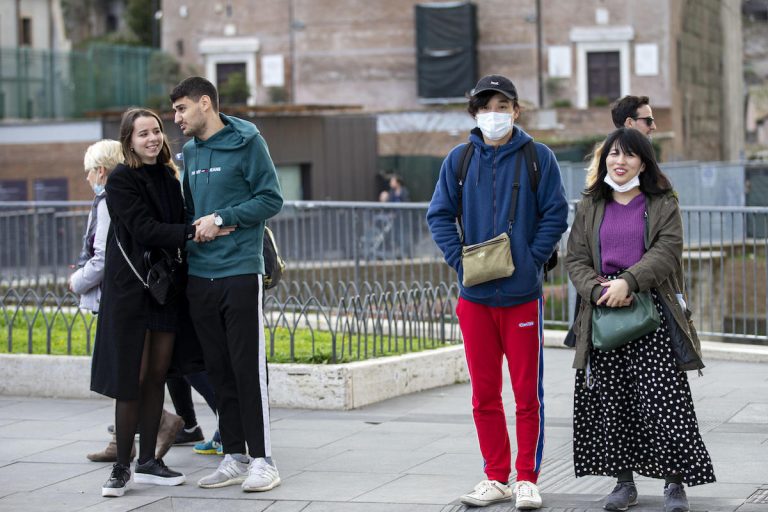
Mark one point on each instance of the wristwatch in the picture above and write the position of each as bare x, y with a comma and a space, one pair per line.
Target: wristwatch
217, 219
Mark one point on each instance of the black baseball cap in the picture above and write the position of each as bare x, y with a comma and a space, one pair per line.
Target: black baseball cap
496, 83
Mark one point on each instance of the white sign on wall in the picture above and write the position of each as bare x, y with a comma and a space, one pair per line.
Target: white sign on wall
272, 71
647, 59
559, 60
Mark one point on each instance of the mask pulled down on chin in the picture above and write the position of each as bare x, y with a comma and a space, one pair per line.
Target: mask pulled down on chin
634, 182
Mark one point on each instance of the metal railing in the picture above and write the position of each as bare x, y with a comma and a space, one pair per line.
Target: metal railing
51, 84
326, 243
359, 322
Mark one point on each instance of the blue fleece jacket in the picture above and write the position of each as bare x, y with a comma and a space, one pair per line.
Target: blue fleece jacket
540, 220
232, 174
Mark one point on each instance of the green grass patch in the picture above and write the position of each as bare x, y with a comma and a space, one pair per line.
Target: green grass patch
66, 333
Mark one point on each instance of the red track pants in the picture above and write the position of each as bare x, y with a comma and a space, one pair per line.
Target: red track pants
515, 332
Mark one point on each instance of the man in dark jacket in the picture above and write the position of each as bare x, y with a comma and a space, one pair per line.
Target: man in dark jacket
502, 317
230, 181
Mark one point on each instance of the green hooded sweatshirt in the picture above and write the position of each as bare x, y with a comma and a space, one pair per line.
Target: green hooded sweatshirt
231, 174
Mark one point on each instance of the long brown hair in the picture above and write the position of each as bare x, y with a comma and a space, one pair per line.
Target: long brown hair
126, 132
631, 142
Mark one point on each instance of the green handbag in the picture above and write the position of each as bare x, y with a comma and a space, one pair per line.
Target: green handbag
614, 327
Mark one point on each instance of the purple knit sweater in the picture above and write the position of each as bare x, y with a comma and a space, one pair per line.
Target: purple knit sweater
621, 234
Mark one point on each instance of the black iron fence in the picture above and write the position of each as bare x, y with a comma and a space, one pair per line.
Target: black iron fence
303, 321
389, 246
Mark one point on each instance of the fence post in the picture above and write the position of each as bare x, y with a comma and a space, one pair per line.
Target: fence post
355, 246
35, 256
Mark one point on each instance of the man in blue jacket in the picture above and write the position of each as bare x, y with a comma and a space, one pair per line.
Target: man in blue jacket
502, 317
230, 184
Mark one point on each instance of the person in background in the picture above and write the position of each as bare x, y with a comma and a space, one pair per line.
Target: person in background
180, 389
99, 160
502, 318
633, 411
629, 112
397, 193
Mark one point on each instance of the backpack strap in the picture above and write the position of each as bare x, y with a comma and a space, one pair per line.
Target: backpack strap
515, 190
465, 158
534, 175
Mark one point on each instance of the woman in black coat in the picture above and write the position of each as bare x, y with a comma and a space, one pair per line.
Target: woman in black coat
135, 335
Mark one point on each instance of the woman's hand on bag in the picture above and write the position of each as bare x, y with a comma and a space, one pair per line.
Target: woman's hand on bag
616, 294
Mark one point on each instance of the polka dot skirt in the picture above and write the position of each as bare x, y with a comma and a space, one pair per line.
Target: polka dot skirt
638, 414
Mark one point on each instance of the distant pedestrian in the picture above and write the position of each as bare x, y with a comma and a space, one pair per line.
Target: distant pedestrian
633, 410
502, 317
398, 192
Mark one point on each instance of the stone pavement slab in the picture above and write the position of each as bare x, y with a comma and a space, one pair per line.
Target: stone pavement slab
412, 453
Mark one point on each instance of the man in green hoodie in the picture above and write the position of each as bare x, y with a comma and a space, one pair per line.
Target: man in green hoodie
229, 182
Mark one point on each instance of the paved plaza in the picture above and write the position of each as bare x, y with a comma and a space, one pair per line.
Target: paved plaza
413, 453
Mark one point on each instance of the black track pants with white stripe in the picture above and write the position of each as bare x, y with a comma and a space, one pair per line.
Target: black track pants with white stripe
227, 314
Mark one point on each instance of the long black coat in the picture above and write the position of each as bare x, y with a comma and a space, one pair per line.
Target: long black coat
135, 210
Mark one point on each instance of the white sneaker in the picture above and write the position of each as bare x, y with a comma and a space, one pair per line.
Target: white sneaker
229, 472
262, 476
527, 495
486, 493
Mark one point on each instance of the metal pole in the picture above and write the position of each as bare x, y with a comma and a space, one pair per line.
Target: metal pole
539, 56
292, 51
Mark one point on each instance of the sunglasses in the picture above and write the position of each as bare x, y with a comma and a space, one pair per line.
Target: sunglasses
648, 120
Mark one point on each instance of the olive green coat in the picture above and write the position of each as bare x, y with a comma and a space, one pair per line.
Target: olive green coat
659, 268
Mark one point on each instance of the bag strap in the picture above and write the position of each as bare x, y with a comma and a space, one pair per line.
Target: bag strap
515, 191
533, 165
466, 157
532, 162
120, 246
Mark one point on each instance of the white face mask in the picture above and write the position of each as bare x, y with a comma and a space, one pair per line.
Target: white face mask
98, 188
634, 182
494, 125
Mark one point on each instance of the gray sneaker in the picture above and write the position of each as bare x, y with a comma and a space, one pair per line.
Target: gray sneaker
262, 476
623, 496
675, 499
229, 472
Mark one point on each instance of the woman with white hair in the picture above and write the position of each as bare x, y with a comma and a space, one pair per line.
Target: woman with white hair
100, 158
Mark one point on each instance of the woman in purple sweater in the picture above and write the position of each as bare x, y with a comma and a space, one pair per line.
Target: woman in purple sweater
633, 411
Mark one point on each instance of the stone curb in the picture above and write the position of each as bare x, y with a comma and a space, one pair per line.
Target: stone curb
304, 386
307, 386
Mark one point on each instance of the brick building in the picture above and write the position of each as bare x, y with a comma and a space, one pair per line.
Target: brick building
684, 54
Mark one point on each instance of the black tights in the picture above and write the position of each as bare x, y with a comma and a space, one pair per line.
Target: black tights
144, 414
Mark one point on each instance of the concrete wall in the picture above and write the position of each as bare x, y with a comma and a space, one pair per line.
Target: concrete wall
305, 386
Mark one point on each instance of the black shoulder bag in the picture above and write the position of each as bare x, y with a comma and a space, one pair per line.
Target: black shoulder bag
164, 275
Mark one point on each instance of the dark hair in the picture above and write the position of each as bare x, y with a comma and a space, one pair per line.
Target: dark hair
627, 107
631, 142
126, 132
194, 88
481, 99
